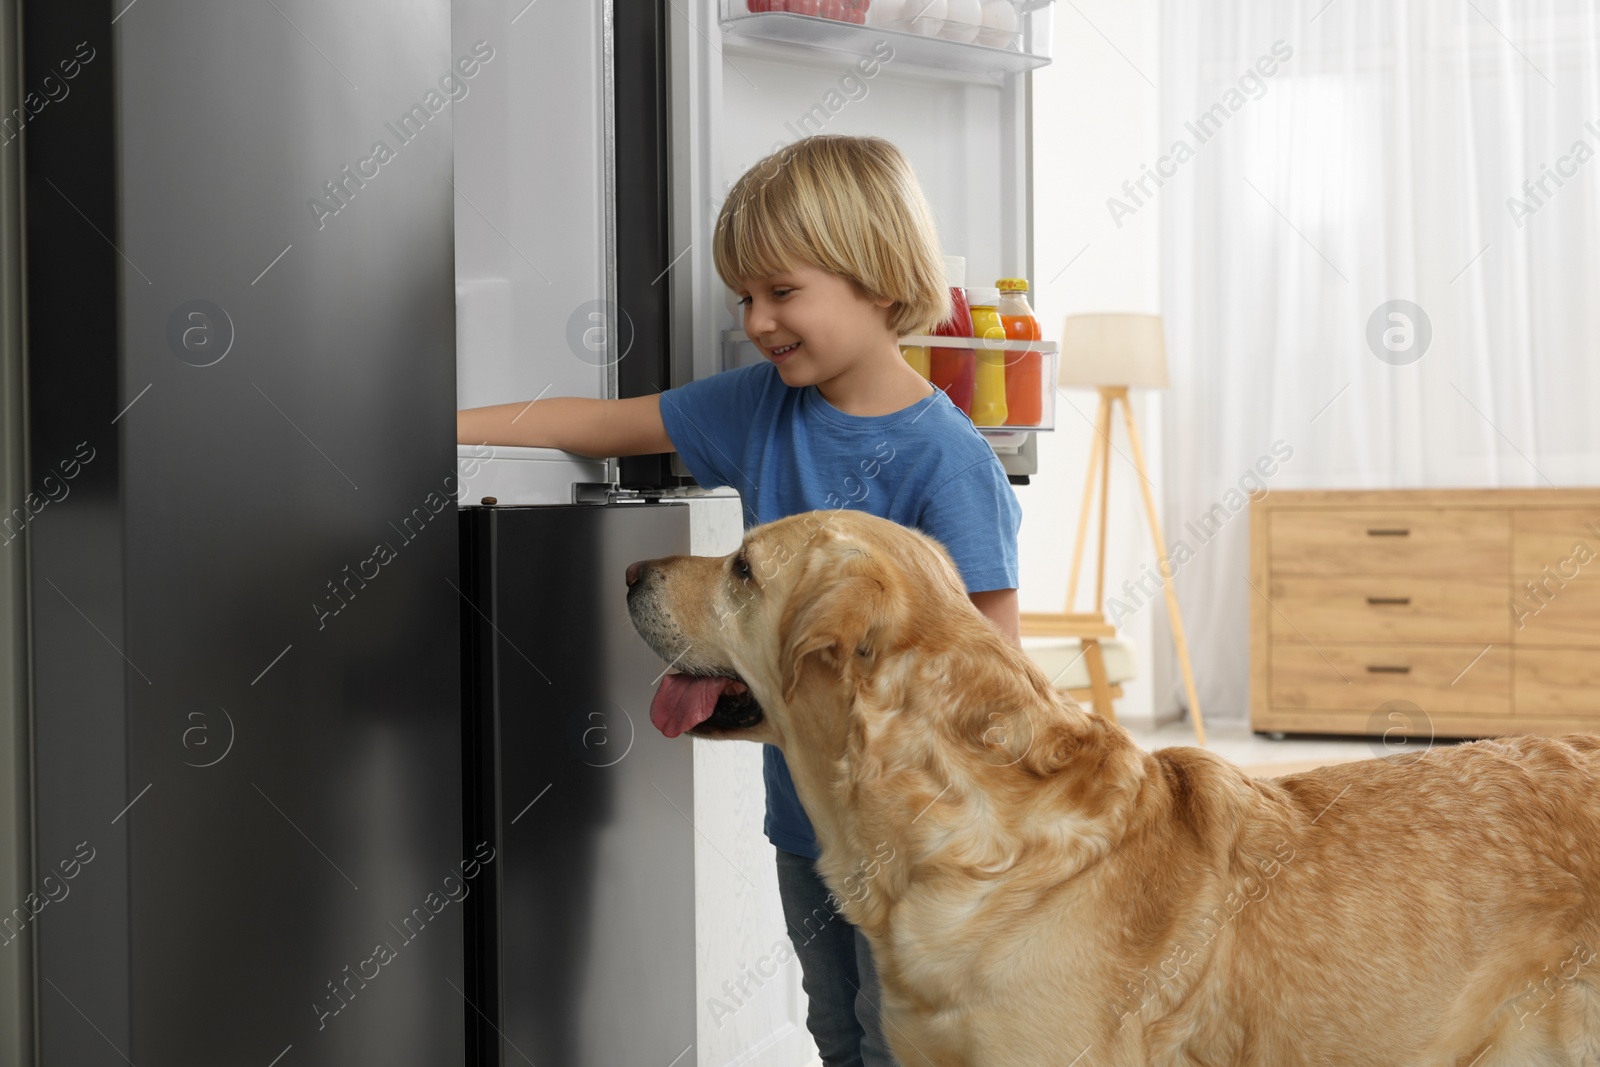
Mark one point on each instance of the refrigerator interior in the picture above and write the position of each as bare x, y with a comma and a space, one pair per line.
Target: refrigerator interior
745, 84
950, 131
738, 97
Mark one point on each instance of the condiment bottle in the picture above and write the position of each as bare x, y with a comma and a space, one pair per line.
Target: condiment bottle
954, 369
989, 384
1024, 370
917, 356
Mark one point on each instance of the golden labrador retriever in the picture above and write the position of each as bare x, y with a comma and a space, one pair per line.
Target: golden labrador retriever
1039, 890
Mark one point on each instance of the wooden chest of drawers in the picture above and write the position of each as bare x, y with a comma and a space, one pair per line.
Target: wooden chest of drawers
1442, 612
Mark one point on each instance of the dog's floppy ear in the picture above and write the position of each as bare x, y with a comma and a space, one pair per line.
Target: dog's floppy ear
843, 609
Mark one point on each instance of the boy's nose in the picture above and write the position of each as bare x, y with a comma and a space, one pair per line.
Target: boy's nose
757, 322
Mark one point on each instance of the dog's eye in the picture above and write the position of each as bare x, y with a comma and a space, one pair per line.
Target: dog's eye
741, 567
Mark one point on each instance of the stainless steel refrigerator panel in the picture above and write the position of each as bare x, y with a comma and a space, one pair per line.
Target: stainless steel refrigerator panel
595, 931
272, 584
78, 928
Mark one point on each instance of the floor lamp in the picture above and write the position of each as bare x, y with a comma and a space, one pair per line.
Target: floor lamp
1113, 353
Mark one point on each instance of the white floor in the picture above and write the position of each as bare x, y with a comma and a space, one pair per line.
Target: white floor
1234, 740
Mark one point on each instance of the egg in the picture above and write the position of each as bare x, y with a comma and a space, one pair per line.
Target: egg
926, 16
963, 19
886, 13
999, 24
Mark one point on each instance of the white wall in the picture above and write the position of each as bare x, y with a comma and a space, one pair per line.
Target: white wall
742, 1015
1094, 126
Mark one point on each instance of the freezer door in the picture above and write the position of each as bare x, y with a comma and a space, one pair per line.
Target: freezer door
245, 677
582, 952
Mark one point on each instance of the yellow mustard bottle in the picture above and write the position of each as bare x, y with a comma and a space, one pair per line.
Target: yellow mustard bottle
989, 390
919, 358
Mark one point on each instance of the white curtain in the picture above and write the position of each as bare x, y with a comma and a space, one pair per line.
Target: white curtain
1440, 152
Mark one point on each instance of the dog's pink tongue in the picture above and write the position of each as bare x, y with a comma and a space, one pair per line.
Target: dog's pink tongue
684, 701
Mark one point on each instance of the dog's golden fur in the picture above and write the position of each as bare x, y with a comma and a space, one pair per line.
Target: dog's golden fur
1042, 891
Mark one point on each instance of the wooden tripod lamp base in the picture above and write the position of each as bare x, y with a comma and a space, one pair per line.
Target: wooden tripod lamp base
1130, 350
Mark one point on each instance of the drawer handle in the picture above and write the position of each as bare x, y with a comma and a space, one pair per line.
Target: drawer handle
1388, 600
1374, 669
1388, 533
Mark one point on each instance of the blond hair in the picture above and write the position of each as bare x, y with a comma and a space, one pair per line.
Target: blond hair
848, 205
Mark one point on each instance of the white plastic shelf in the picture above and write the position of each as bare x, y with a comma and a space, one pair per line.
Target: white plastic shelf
1026, 49
740, 351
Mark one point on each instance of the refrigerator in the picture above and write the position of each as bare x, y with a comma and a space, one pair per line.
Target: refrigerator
343, 735
589, 165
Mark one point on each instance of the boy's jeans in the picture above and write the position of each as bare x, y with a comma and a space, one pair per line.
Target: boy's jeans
836, 970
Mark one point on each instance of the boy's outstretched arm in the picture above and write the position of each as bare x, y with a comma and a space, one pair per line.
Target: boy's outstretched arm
1000, 605
599, 428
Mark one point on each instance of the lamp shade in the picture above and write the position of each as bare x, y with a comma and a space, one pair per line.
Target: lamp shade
1113, 348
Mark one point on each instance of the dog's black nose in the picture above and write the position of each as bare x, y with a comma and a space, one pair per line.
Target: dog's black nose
634, 571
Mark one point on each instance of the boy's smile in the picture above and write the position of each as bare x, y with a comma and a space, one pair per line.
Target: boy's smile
812, 323
822, 329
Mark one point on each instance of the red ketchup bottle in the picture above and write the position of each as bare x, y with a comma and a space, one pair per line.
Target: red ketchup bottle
955, 369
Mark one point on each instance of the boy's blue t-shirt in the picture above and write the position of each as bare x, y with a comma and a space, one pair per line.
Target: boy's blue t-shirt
788, 450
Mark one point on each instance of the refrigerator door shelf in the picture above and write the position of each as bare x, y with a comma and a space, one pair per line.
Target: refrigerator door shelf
1024, 39
739, 351
933, 341
522, 475
1035, 374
